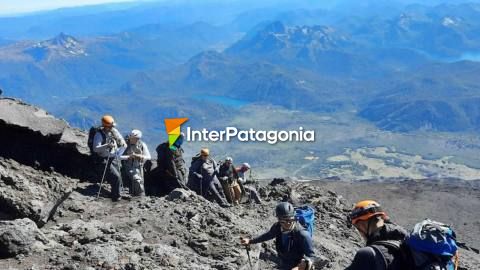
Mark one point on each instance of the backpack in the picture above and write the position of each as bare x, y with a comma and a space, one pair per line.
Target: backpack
91, 135
433, 246
195, 158
430, 245
305, 215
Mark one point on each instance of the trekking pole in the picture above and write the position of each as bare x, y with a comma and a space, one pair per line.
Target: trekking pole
250, 190
247, 248
103, 176
117, 159
142, 174
230, 190
201, 182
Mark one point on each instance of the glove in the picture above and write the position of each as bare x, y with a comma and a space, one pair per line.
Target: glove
198, 175
137, 156
111, 145
224, 178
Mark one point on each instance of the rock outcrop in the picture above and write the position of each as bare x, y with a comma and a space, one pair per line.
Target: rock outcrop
33, 137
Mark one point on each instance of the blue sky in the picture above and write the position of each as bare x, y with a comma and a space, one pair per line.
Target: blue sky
21, 6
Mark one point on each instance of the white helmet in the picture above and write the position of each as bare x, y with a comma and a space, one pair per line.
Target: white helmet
229, 159
135, 133
246, 165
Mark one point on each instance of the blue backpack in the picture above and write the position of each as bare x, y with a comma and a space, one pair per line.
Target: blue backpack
433, 245
430, 245
305, 215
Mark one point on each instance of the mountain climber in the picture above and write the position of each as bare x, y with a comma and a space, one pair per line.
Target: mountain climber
133, 159
106, 142
229, 179
292, 242
244, 183
171, 172
202, 177
374, 225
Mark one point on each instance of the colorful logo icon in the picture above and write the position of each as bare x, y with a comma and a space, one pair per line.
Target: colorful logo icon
173, 128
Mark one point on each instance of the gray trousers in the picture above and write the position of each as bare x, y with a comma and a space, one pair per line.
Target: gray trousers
135, 181
112, 175
210, 184
252, 193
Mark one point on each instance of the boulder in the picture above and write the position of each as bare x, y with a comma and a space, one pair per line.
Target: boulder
28, 193
20, 236
179, 194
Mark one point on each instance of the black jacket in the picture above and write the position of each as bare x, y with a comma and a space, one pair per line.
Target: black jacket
373, 256
228, 171
298, 246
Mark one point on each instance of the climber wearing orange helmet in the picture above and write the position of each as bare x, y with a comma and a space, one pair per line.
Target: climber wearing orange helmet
105, 145
373, 224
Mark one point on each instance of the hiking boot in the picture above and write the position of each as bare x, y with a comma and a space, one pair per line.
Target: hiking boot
225, 205
127, 197
320, 263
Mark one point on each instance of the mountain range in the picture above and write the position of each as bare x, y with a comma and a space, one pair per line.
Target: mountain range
409, 70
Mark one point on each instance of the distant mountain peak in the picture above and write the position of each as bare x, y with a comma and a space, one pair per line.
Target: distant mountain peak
62, 45
404, 20
276, 27
64, 40
450, 21
276, 37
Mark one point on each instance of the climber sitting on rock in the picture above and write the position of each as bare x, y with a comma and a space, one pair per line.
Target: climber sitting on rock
202, 177
246, 184
292, 242
229, 178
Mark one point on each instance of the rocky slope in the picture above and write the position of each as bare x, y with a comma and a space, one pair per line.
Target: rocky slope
54, 221
179, 231
29, 193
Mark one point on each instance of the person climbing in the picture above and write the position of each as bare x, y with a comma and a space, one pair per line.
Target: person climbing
202, 177
229, 179
171, 172
105, 145
245, 184
373, 224
133, 159
292, 242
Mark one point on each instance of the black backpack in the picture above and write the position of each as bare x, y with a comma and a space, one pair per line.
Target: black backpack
195, 158
91, 136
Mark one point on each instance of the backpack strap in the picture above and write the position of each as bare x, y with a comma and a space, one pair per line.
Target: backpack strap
104, 136
380, 260
389, 245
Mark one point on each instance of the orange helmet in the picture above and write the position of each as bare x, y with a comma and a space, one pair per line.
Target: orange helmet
107, 121
364, 210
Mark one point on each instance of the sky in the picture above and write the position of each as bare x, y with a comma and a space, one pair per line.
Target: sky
10, 7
